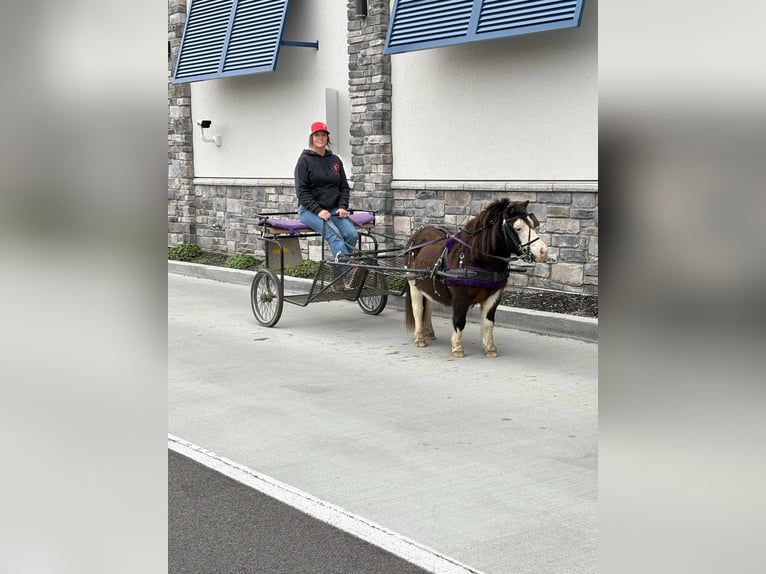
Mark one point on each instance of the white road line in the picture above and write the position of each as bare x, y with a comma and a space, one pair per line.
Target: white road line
362, 528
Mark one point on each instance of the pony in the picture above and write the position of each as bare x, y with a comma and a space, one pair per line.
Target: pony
468, 268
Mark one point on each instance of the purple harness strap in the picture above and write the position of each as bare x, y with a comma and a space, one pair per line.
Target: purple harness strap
497, 278
455, 239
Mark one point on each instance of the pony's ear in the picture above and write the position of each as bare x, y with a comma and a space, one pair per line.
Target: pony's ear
526, 203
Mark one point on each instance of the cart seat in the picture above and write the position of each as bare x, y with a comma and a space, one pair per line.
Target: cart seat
281, 226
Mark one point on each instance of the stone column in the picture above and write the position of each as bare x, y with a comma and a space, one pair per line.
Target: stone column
181, 206
369, 78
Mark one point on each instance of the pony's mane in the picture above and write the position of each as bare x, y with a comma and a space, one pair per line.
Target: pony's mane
486, 227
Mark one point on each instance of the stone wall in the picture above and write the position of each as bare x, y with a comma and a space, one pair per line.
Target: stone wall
227, 211
226, 214
369, 81
568, 215
181, 206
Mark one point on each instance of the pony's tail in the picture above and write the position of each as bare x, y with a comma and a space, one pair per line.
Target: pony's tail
409, 318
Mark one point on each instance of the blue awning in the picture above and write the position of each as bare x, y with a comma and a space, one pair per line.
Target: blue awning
421, 24
229, 38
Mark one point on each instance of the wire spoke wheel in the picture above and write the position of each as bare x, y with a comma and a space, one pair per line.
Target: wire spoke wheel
373, 304
266, 298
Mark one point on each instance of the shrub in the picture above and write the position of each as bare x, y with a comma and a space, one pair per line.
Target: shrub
306, 268
242, 261
184, 252
395, 283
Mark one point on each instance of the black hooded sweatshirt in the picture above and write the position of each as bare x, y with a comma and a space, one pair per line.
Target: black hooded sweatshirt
320, 181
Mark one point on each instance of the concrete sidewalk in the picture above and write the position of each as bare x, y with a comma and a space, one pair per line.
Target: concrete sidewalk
555, 324
491, 462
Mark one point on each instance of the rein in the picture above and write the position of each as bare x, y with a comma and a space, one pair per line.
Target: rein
419, 245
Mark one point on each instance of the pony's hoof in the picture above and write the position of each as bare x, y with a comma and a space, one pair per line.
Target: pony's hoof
458, 354
421, 344
430, 336
491, 354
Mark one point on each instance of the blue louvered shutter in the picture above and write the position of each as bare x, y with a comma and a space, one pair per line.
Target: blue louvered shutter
204, 38
416, 21
230, 37
255, 36
421, 24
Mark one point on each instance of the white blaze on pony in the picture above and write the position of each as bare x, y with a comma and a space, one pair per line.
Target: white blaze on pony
469, 267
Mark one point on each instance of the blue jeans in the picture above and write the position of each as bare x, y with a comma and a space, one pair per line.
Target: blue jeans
341, 234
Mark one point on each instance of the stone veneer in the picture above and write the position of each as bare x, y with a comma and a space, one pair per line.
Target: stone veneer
369, 85
181, 204
568, 215
227, 211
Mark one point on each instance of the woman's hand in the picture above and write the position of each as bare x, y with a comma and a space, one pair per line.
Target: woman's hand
324, 214
341, 213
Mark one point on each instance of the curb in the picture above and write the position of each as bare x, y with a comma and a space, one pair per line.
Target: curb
540, 322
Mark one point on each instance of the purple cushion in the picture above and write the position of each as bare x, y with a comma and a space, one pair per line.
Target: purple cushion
296, 226
362, 217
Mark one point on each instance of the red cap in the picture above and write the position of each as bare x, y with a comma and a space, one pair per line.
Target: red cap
319, 127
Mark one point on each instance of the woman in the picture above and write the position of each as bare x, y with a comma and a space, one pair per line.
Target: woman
323, 192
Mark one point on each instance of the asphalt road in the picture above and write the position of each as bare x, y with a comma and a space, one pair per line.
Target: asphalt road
219, 525
491, 463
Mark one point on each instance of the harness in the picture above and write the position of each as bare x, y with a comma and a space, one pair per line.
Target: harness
462, 275
476, 276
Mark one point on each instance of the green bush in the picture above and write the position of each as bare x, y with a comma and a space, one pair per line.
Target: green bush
395, 283
184, 252
242, 261
306, 268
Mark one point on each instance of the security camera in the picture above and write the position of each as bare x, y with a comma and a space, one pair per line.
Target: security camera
206, 124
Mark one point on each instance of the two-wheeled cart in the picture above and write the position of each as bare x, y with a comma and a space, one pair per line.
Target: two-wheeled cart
368, 275
354, 277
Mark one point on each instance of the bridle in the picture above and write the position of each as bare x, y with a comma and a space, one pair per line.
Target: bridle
510, 235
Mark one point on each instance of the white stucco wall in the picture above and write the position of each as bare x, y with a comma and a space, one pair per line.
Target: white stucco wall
263, 119
513, 109
519, 108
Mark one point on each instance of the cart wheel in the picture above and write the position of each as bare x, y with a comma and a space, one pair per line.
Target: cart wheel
373, 304
266, 298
